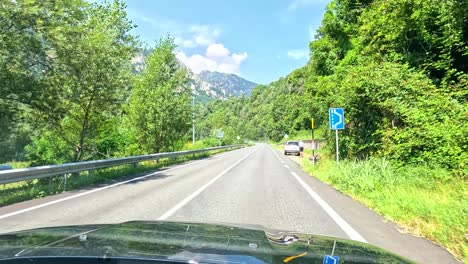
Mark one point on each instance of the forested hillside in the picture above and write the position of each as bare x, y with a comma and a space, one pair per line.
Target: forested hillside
399, 69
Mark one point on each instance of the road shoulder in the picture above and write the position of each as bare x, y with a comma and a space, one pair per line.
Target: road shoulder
372, 226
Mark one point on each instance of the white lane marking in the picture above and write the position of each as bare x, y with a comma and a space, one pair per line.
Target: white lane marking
201, 189
93, 191
353, 234
276, 154
286, 166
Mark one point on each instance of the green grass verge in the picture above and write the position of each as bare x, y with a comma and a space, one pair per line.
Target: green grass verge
27, 190
423, 201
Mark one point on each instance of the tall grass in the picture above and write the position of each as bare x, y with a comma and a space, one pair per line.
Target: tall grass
427, 202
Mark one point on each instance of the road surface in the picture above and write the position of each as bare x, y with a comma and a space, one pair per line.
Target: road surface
254, 185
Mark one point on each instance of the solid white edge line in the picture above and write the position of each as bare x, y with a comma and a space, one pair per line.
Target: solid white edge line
95, 190
276, 155
200, 190
353, 234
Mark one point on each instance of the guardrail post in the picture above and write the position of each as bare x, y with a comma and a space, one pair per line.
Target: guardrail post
64, 182
90, 172
135, 165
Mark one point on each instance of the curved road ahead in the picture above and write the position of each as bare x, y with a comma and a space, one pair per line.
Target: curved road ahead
255, 185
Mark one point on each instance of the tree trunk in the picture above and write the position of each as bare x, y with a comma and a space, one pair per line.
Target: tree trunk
84, 129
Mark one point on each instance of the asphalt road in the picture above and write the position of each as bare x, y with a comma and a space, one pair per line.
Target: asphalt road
255, 185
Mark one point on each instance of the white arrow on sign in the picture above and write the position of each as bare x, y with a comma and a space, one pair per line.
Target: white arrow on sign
340, 118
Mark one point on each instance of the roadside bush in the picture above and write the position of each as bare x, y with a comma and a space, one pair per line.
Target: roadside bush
396, 112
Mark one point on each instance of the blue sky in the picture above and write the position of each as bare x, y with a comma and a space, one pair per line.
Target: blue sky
258, 40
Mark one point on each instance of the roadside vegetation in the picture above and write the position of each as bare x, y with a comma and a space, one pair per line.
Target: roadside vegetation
421, 200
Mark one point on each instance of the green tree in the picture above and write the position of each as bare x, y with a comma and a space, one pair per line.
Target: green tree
160, 108
27, 29
88, 81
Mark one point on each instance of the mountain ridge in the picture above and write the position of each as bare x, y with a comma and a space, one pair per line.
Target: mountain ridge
208, 85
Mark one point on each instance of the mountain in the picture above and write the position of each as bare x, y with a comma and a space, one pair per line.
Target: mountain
207, 85
216, 85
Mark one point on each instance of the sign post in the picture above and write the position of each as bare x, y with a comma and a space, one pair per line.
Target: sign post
220, 136
193, 120
337, 147
312, 125
336, 117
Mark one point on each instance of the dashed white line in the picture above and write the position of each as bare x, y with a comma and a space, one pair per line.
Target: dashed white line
201, 189
353, 234
286, 166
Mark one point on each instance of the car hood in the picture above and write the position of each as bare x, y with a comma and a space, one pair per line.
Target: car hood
188, 242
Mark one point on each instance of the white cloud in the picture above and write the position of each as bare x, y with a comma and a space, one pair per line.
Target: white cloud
196, 36
204, 35
187, 36
297, 54
197, 62
217, 58
238, 58
217, 50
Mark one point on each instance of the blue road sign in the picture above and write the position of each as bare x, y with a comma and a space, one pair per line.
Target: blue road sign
336, 116
327, 259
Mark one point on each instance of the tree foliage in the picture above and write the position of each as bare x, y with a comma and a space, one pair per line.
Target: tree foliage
160, 109
88, 79
66, 75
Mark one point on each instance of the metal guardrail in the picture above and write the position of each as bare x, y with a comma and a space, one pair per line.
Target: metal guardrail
16, 175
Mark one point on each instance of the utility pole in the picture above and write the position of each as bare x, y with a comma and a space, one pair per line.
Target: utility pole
193, 120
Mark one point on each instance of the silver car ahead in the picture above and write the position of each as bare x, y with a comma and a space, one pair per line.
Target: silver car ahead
292, 147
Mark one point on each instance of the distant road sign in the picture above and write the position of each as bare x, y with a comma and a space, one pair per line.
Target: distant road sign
336, 116
312, 123
220, 134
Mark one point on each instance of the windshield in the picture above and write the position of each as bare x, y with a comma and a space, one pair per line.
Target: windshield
316, 118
